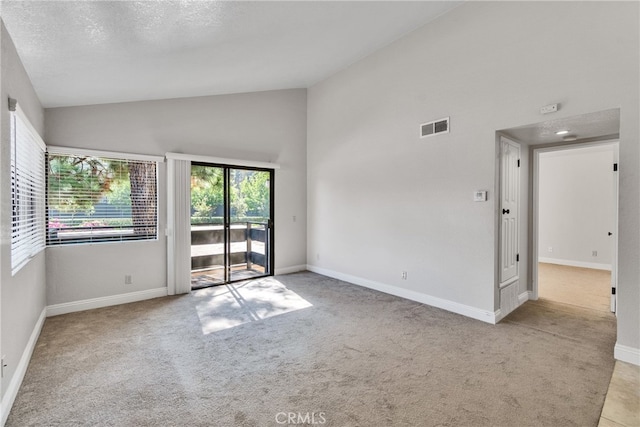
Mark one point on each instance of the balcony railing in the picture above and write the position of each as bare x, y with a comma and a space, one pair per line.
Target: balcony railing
248, 245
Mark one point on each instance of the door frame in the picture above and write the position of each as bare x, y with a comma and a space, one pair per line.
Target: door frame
269, 248
535, 151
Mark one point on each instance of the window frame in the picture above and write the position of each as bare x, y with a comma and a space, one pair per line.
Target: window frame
114, 238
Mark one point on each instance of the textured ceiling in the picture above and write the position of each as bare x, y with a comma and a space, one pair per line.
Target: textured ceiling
93, 52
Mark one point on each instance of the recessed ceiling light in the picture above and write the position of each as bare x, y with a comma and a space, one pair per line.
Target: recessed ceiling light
569, 138
562, 132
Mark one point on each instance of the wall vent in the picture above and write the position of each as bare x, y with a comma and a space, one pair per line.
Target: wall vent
434, 128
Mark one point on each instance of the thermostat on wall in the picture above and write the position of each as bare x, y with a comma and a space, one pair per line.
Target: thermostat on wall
480, 196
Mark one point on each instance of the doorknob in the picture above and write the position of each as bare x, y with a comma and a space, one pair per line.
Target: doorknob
505, 211
610, 233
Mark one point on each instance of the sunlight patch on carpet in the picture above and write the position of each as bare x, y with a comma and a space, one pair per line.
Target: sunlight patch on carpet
226, 306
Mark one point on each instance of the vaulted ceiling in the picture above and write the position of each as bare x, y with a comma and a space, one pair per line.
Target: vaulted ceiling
94, 52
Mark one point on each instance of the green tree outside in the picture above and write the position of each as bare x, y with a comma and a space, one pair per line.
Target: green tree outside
76, 184
248, 194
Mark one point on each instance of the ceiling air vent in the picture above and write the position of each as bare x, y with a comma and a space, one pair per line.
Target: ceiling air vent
435, 127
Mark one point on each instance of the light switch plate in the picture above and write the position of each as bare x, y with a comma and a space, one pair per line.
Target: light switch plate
480, 196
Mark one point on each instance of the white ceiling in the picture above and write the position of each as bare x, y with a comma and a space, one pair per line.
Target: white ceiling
94, 52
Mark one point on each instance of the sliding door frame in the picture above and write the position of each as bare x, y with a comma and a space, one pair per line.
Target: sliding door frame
269, 248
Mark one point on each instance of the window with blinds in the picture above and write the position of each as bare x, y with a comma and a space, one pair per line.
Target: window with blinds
27, 190
93, 199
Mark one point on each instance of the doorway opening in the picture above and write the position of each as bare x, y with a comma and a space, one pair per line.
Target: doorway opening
576, 228
597, 131
231, 224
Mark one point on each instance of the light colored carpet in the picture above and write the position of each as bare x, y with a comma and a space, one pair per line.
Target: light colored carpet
584, 287
309, 345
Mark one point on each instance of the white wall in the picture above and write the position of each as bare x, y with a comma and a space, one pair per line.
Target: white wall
576, 206
23, 295
264, 126
381, 200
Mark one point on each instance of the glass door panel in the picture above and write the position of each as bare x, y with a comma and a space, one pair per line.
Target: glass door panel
231, 224
208, 249
249, 222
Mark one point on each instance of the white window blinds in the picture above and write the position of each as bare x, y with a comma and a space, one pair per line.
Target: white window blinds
97, 197
27, 189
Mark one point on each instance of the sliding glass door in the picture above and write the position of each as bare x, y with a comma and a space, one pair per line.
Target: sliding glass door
249, 226
207, 226
231, 224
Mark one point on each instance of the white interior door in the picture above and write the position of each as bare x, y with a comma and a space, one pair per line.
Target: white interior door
509, 205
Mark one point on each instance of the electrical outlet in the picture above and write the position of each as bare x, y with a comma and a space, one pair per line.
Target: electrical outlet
404, 275
594, 253
318, 256
550, 249
127, 279
294, 218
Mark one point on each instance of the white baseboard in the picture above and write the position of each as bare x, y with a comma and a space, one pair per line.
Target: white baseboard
88, 304
292, 269
627, 354
570, 263
524, 297
14, 385
465, 310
